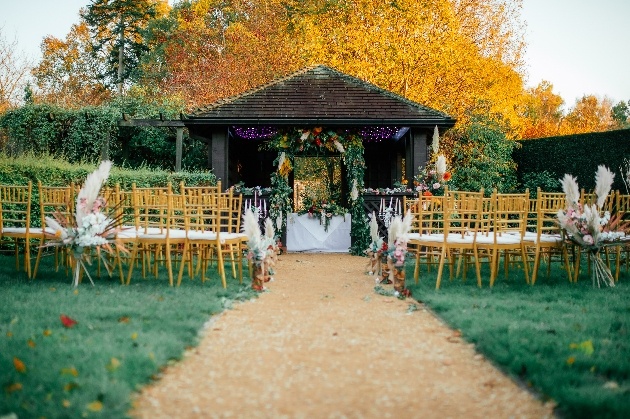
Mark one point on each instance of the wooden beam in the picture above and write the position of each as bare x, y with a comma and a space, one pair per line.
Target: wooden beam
172, 123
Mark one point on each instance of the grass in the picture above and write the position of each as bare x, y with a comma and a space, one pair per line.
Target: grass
568, 342
123, 338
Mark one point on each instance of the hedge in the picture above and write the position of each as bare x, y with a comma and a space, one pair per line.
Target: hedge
578, 155
58, 172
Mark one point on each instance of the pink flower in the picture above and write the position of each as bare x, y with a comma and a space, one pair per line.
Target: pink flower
436, 185
588, 239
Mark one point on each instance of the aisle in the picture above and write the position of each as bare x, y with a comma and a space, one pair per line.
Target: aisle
322, 344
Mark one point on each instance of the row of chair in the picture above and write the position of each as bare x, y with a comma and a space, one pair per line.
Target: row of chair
159, 226
468, 227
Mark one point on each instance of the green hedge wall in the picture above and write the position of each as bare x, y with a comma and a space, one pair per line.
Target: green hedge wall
77, 135
578, 155
57, 172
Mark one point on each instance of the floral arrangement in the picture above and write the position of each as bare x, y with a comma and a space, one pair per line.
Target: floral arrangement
255, 190
375, 248
322, 210
395, 252
261, 249
91, 227
432, 179
309, 140
587, 225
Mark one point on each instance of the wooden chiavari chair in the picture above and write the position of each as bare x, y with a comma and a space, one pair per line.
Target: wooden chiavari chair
15, 220
505, 231
54, 201
154, 237
547, 241
427, 227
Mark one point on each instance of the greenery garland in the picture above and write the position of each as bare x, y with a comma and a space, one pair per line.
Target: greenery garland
317, 141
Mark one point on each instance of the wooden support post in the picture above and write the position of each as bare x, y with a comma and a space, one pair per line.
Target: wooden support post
178, 149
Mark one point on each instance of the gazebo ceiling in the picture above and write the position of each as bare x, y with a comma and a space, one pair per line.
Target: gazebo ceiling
318, 95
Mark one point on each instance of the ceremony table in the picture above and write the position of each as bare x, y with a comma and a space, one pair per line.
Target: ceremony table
306, 234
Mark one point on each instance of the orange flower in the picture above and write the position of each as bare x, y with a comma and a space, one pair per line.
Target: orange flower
317, 130
446, 176
427, 193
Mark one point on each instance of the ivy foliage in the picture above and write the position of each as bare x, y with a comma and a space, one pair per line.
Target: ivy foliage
79, 135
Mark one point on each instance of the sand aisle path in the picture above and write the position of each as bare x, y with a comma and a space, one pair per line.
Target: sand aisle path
322, 344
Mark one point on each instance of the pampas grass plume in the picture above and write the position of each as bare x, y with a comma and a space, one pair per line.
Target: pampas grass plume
374, 228
571, 190
440, 165
91, 188
251, 228
603, 182
269, 230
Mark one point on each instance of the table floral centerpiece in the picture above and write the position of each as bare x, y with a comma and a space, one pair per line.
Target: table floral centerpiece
322, 210
433, 178
588, 226
92, 228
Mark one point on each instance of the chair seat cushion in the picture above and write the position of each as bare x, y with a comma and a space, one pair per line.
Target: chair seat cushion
500, 239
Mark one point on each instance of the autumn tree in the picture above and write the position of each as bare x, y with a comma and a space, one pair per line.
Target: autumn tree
589, 114
14, 71
620, 114
68, 73
449, 55
208, 49
542, 112
116, 27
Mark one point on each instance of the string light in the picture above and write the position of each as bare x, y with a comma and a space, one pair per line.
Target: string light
369, 134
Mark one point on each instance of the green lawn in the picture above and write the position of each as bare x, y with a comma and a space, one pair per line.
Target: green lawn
123, 337
570, 342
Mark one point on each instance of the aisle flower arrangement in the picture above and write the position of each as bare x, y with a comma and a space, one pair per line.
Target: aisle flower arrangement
398, 236
375, 248
92, 228
262, 249
588, 225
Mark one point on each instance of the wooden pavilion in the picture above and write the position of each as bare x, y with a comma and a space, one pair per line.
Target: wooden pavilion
396, 131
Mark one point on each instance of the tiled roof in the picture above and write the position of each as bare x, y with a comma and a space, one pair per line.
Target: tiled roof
321, 95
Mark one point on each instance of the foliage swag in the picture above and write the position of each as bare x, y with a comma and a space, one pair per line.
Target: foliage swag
319, 142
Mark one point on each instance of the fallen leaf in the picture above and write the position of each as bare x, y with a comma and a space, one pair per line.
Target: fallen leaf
123, 319
95, 406
67, 321
47, 332
570, 360
586, 347
70, 386
10, 388
31, 343
53, 289
76, 292
19, 365
113, 364
9, 334
611, 385
134, 336
66, 403
70, 371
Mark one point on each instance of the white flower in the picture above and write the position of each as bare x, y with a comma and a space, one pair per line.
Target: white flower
354, 194
440, 165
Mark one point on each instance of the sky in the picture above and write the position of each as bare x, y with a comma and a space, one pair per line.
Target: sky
579, 46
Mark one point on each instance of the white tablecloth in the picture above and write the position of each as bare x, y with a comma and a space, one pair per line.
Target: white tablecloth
306, 234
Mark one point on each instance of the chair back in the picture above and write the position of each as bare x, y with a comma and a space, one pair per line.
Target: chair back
427, 214
588, 198
463, 212
509, 213
152, 209
15, 208
56, 202
547, 206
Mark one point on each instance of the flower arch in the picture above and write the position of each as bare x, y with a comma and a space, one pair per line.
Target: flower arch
293, 142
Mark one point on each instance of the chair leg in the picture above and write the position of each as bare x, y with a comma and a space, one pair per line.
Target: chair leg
440, 268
